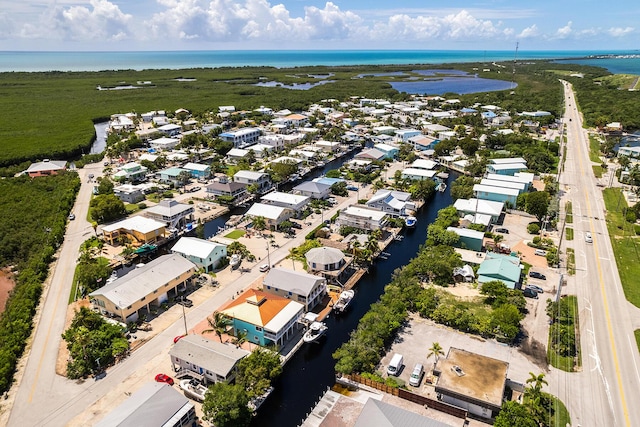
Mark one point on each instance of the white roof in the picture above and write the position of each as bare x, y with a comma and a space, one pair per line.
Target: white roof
143, 281
424, 164
149, 157
495, 190
196, 167
527, 178
384, 147
508, 160
169, 208
506, 166
292, 310
47, 165
164, 141
237, 152
279, 197
356, 210
480, 206
327, 143
192, 246
467, 232
249, 174
298, 282
268, 211
137, 223
287, 159
506, 184
419, 172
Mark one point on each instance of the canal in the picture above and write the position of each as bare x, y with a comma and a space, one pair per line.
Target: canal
310, 372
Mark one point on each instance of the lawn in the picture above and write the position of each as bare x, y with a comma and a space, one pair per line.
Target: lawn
569, 232
566, 363
597, 170
637, 334
569, 211
235, 234
571, 261
624, 244
594, 149
559, 416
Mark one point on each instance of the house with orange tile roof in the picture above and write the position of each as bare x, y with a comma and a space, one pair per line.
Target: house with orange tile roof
266, 318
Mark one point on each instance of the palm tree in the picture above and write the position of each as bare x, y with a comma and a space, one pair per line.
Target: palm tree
218, 324
534, 394
240, 338
259, 223
436, 351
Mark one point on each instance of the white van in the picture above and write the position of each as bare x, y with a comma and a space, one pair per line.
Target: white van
588, 238
540, 252
416, 375
395, 365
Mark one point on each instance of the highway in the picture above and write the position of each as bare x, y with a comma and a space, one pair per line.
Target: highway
605, 392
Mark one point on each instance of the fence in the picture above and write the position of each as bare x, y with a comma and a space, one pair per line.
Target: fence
410, 396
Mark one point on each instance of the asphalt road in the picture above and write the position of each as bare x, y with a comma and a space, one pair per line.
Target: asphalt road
605, 393
43, 398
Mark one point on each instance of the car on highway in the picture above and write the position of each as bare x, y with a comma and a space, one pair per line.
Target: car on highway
72, 216
163, 378
536, 288
588, 238
186, 302
537, 275
502, 230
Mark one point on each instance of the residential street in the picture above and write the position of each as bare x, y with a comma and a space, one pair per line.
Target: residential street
43, 398
604, 393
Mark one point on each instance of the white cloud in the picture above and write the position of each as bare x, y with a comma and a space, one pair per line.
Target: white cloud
528, 32
102, 21
564, 32
620, 32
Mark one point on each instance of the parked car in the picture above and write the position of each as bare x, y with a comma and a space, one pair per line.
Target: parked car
536, 288
186, 302
540, 252
537, 275
295, 225
416, 375
163, 378
588, 238
72, 216
264, 267
352, 188
530, 293
502, 230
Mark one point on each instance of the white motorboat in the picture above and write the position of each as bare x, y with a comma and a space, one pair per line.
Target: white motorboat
315, 332
193, 389
235, 260
344, 300
441, 187
410, 221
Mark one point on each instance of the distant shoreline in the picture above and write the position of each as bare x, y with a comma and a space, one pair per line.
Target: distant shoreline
85, 61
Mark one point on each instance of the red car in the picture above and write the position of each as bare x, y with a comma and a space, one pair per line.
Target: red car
162, 378
176, 339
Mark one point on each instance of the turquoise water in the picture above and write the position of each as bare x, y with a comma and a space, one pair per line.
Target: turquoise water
97, 61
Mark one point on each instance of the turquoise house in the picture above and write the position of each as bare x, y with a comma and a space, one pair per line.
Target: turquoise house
469, 239
496, 194
505, 268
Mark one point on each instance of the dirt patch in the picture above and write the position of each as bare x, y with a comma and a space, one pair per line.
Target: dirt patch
536, 352
6, 286
464, 291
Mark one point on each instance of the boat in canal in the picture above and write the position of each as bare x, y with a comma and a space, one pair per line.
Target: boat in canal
315, 332
410, 221
193, 389
344, 300
441, 187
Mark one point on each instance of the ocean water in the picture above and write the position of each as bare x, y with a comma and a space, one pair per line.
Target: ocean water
97, 61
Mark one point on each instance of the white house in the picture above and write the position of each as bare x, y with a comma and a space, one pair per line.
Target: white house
173, 213
418, 174
273, 215
164, 143
307, 289
290, 201
242, 137
477, 207
259, 179
394, 203
203, 253
315, 190
362, 217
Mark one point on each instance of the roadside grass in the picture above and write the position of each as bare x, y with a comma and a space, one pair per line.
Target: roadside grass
571, 261
559, 415
566, 336
597, 170
235, 234
569, 233
594, 149
569, 213
637, 334
624, 243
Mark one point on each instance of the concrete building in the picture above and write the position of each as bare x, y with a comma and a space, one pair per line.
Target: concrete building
242, 137
206, 360
307, 289
203, 253
424, 164
404, 135
150, 285
136, 229
46, 168
173, 213
471, 381
129, 193
154, 404
362, 217
267, 318
164, 143
259, 179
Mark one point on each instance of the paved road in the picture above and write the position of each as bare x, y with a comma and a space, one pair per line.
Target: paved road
45, 399
605, 393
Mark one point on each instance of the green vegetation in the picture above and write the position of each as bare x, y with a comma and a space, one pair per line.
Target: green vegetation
93, 344
236, 234
563, 350
569, 213
571, 261
624, 243
34, 216
637, 335
594, 149
569, 233
597, 170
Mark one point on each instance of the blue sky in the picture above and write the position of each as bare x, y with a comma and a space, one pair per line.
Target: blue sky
71, 25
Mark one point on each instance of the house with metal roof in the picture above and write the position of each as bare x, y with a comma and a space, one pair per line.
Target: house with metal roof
314, 190
362, 217
307, 289
154, 404
132, 171
331, 263
520, 177
171, 176
164, 143
242, 137
232, 189
520, 186
137, 228
129, 193
273, 215
198, 170
207, 360
267, 318
478, 208
505, 268
424, 142
424, 164
173, 213
415, 174
468, 239
203, 253
506, 168
377, 413
259, 179
389, 151
496, 194
394, 203
472, 382
133, 294
294, 202
46, 167
371, 154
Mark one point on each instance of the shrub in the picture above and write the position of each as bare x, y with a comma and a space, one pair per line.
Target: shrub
533, 228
